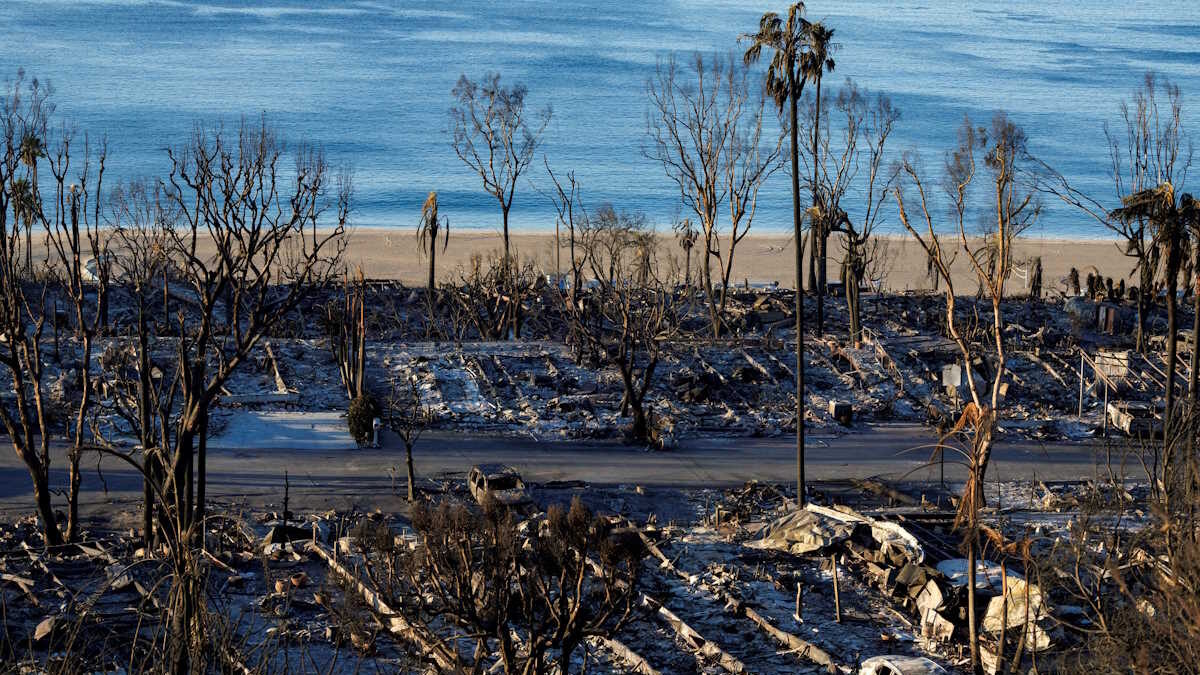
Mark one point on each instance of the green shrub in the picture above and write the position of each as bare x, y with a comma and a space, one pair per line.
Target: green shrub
360, 416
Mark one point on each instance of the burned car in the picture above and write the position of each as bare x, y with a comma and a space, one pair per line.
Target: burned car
502, 482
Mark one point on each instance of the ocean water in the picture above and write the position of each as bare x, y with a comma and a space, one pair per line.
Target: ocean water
370, 83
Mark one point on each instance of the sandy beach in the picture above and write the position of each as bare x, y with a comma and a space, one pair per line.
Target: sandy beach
391, 254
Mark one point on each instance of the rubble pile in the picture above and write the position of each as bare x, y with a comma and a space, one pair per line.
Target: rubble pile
734, 581
745, 384
905, 369
909, 555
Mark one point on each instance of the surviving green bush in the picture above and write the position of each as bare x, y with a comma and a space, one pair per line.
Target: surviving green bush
360, 417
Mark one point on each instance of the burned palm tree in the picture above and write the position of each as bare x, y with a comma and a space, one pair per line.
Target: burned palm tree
428, 230
686, 234
815, 61
786, 39
30, 151
1169, 220
1153, 150
1190, 211
25, 203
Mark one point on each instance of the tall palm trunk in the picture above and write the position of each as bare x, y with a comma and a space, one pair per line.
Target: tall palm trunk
1173, 264
1146, 279
29, 227
1193, 375
818, 228
972, 632
801, 492
432, 263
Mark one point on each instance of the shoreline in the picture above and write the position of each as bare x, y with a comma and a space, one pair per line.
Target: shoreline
476, 231
386, 253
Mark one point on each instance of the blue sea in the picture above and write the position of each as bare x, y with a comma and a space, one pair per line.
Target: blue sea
370, 83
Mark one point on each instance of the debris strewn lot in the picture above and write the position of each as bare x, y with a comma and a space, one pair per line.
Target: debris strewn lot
732, 581
868, 577
741, 385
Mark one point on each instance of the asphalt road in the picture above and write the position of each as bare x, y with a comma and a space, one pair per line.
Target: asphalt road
887, 451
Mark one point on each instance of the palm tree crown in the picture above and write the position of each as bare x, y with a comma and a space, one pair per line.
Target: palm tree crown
816, 57
786, 40
428, 229
31, 149
430, 226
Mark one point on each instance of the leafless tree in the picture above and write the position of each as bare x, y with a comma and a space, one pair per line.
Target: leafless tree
27, 302
346, 327
610, 241
627, 320
568, 205
849, 160
73, 232
140, 389
990, 258
253, 243
407, 416
497, 137
705, 128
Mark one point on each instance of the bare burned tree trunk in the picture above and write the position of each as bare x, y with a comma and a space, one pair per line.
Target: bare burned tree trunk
1015, 210
73, 230
629, 317
240, 247
408, 417
496, 137
706, 131
348, 335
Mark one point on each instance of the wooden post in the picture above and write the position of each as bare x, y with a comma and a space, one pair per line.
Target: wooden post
799, 616
1081, 385
1105, 413
837, 596
974, 635
1003, 615
286, 487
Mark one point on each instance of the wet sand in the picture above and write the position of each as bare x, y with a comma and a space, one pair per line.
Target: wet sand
764, 258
